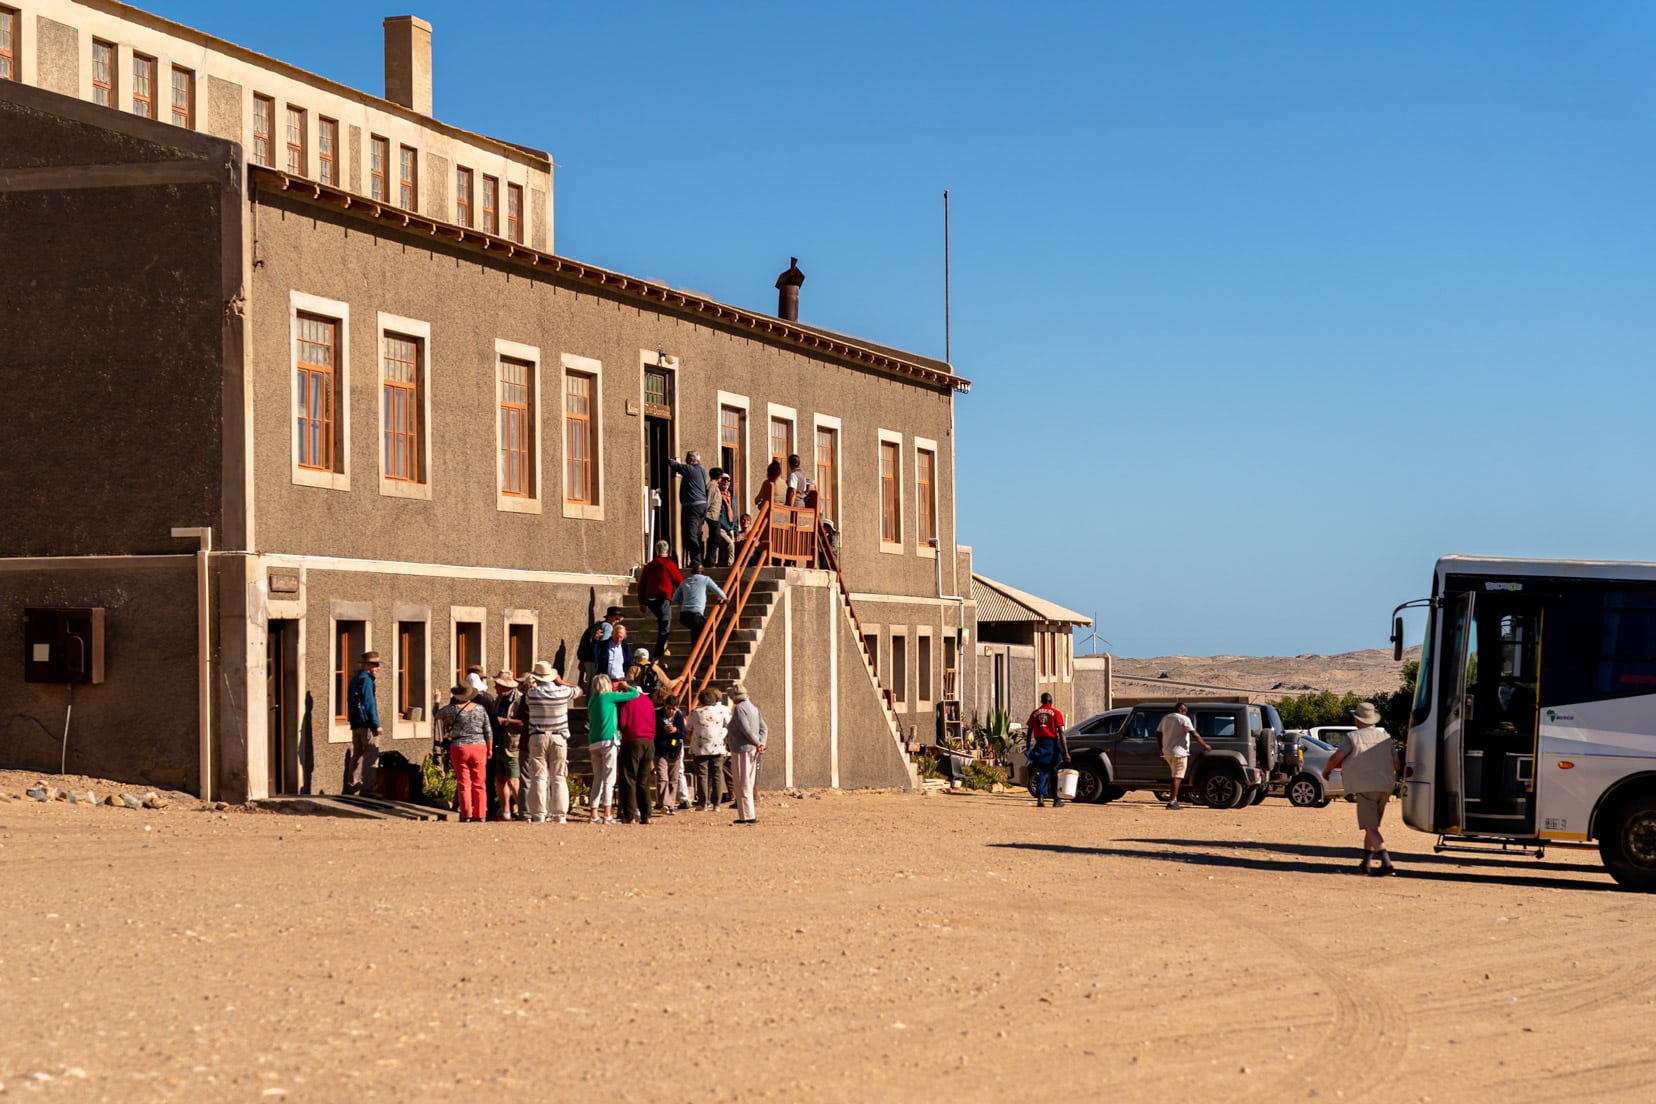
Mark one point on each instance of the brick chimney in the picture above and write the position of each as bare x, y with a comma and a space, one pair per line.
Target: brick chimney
408, 62
787, 291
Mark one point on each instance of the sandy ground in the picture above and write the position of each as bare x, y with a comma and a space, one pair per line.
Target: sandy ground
849, 947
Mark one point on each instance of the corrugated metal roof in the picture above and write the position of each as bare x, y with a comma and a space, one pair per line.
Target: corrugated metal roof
999, 602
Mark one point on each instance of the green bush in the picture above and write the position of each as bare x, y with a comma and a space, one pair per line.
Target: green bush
984, 776
437, 785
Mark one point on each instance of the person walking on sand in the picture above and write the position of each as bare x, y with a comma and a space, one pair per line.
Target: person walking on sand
1367, 760
1045, 748
1175, 733
362, 710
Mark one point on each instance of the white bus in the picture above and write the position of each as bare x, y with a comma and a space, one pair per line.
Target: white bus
1534, 720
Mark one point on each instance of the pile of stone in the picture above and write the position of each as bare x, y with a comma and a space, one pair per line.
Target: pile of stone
150, 800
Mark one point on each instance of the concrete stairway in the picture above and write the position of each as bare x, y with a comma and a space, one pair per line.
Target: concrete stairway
744, 641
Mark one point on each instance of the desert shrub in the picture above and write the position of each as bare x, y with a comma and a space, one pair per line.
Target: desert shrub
984, 776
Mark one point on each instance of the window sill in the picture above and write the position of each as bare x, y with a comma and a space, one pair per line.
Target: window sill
892, 548
517, 504
339, 733
402, 488
584, 511
312, 477
925, 550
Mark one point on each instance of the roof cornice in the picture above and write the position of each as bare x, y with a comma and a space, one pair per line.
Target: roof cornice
614, 283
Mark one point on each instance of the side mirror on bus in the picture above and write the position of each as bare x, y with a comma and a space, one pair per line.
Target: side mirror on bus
1397, 639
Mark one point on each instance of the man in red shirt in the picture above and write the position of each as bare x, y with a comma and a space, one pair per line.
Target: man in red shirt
1045, 748
656, 584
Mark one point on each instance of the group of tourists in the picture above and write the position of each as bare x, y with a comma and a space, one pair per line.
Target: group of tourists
513, 736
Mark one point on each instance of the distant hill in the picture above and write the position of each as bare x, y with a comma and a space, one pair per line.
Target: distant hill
1365, 672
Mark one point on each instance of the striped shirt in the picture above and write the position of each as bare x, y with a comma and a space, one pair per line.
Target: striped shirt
548, 706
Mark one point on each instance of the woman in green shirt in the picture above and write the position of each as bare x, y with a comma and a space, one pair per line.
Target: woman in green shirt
604, 737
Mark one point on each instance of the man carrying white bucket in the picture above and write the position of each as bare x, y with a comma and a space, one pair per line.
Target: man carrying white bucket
1046, 749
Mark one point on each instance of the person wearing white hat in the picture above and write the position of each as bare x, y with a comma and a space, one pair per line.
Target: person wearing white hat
546, 751
1368, 763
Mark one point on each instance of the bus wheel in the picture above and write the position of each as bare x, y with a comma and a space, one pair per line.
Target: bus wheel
1628, 845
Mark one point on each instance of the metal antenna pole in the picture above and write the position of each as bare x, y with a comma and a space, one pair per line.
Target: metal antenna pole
947, 351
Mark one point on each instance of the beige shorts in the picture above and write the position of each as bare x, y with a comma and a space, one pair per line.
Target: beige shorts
1370, 808
1177, 764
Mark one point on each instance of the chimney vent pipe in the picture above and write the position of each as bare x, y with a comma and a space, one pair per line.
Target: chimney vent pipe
787, 291
408, 62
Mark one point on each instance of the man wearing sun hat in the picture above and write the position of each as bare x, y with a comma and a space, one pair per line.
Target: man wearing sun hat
1367, 761
362, 710
746, 735
546, 751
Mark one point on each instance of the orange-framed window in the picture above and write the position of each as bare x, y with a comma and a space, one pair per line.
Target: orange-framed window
827, 459
183, 98
468, 649
410, 671
781, 447
925, 487
520, 648
318, 383
516, 429
408, 178
327, 150
579, 441
103, 73
8, 44
732, 430
296, 140
491, 205
402, 408
350, 641
891, 501
264, 117
379, 152
463, 196
143, 86
514, 212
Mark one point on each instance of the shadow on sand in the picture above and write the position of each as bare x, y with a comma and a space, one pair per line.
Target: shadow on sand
1303, 858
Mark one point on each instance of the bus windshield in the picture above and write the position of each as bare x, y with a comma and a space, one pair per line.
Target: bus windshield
1423, 676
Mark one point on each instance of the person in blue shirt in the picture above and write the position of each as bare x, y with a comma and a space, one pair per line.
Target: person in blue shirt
362, 710
691, 597
692, 493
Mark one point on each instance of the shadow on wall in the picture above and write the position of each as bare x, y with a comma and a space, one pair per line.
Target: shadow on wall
307, 744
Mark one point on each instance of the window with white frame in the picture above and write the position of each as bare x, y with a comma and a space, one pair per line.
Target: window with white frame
319, 373
405, 407
517, 427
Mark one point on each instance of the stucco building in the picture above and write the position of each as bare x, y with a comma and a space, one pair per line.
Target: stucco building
301, 375
1026, 648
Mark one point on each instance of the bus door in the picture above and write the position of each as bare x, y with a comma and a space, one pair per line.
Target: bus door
1460, 666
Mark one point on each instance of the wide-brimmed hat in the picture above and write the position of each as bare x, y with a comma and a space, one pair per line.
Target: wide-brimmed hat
1365, 713
370, 657
737, 692
543, 672
504, 678
459, 694
615, 611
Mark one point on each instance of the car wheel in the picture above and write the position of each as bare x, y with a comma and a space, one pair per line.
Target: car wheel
1109, 794
1305, 791
1221, 790
1627, 843
1089, 784
1259, 794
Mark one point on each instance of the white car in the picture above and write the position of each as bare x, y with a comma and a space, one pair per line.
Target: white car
1307, 789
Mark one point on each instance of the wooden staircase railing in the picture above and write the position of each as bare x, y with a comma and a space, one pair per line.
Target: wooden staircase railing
703, 662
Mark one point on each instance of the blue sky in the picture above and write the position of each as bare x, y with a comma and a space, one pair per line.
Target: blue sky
1265, 305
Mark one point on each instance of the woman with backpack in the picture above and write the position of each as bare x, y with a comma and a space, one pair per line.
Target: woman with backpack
669, 748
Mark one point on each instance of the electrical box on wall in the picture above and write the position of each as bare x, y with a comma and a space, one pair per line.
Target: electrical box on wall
63, 645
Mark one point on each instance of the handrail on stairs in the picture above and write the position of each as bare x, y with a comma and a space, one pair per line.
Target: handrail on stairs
703, 662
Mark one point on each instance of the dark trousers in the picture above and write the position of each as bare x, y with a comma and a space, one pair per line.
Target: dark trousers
1043, 760
663, 610
637, 768
693, 620
707, 775
692, 520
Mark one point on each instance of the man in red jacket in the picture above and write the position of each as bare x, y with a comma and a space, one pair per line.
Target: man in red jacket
1045, 748
656, 584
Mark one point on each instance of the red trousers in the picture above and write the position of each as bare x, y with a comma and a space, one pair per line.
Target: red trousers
471, 768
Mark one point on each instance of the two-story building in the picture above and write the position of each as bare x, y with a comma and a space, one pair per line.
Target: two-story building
298, 374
